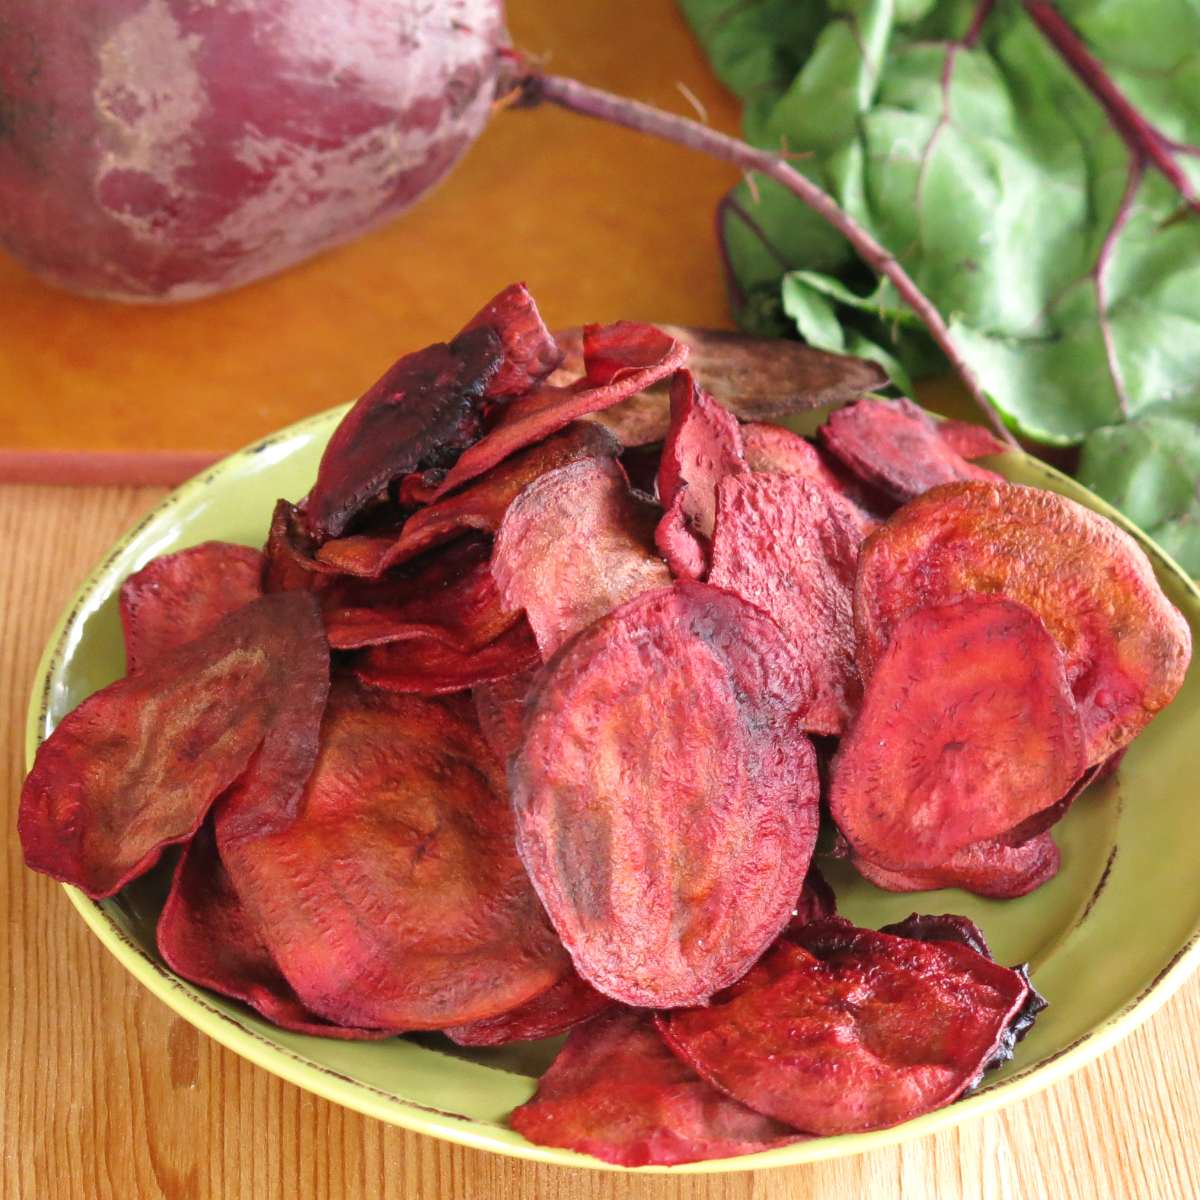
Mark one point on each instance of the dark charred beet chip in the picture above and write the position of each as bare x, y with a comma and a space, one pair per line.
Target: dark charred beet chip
530, 351
290, 552
992, 869
574, 545
205, 935
390, 892
635, 356
895, 446
479, 507
790, 546
847, 1030
615, 1091
941, 927
967, 728
566, 1004
1126, 646
136, 766
177, 597
666, 805
429, 667
500, 710
970, 441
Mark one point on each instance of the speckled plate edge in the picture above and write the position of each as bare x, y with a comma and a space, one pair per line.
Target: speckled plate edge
191, 1003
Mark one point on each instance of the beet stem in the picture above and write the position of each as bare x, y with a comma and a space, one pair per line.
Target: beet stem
588, 101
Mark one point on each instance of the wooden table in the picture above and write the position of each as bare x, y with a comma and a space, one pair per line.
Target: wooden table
106, 1095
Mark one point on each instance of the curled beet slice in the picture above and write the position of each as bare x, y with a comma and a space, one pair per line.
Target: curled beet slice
572, 546
635, 356
666, 805
560, 1007
205, 935
291, 563
967, 728
530, 350
615, 1091
1126, 646
177, 597
790, 546
994, 869
390, 892
846, 1030
816, 902
685, 551
896, 447
136, 766
941, 927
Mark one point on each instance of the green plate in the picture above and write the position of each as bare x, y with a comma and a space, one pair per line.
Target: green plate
1109, 939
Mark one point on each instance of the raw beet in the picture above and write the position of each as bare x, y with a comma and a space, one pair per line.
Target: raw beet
666, 806
790, 546
560, 1007
1126, 646
847, 1030
137, 765
574, 545
896, 447
390, 892
177, 597
168, 151
615, 1091
967, 728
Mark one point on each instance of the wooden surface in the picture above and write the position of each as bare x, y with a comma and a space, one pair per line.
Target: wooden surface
105, 1095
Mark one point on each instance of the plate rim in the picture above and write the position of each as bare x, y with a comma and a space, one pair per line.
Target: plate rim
190, 1002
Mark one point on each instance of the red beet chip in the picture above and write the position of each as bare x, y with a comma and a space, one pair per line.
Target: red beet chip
941, 927
993, 869
566, 1004
634, 355
530, 351
971, 441
615, 1091
137, 765
666, 805
967, 728
895, 447
574, 545
205, 935
1126, 646
790, 547
685, 551
479, 507
177, 597
852, 1030
816, 903
500, 710
389, 891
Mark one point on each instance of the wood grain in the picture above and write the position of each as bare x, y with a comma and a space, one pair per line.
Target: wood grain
105, 1095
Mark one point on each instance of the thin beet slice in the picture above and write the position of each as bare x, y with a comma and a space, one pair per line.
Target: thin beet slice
666, 805
390, 892
851, 1030
205, 935
635, 356
970, 441
1049, 817
941, 927
967, 728
500, 710
790, 546
615, 1091
479, 507
137, 765
290, 552
574, 545
816, 902
530, 350
896, 447
992, 868
568, 1003
177, 597
1126, 646
685, 551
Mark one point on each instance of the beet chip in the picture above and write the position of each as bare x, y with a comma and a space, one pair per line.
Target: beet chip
852, 1030
816, 902
1126, 646
205, 935
992, 869
136, 766
481, 506
967, 728
666, 805
790, 547
178, 597
568, 1003
941, 927
530, 351
896, 447
573, 545
971, 441
686, 553
390, 892
635, 357
615, 1091
500, 710
291, 563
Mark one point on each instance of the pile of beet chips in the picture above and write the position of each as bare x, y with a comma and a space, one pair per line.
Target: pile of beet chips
508, 731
